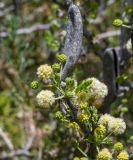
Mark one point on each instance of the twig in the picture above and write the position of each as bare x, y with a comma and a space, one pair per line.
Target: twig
29, 30
6, 139
20, 152
106, 35
17, 153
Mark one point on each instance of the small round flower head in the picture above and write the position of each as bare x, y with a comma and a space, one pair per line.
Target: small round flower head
82, 97
83, 105
123, 156
56, 67
104, 119
104, 154
69, 94
59, 115
124, 109
83, 117
118, 146
45, 98
131, 138
97, 88
34, 84
117, 126
100, 131
74, 125
45, 73
118, 23
61, 58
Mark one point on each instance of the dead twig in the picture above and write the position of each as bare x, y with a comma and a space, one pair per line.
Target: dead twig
6, 139
37, 27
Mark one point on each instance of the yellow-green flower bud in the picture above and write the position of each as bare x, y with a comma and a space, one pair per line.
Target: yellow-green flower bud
62, 58
131, 138
74, 126
123, 156
83, 117
124, 100
34, 84
100, 131
69, 94
124, 109
118, 146
56, 67
83, 105
118, 23
59, 115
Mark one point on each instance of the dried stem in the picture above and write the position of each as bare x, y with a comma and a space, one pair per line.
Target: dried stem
73, 41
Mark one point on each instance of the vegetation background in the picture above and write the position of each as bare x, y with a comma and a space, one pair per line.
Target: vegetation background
32, 33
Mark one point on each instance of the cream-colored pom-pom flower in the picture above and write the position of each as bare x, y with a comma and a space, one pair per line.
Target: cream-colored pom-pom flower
97, 88
104, 119
45, 73
104, 154
123, 156
117, 126
45, 98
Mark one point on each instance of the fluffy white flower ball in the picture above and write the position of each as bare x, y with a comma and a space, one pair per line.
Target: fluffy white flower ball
97, 88
104, 119
45, 98
117, 126
45, 73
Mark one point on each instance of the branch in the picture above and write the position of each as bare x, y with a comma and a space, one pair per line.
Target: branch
17, 153
73, 41
32, 29
20, 152
5, 138
106, 35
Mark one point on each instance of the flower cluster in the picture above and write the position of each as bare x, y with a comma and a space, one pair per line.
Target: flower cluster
45, 98
92, 91
45, 73
113, 125
97, 88
61, 58
74, 126
104, 119
83, 117
104, 154
116, 125
100, 132
81, 99
123, 155
118, 146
